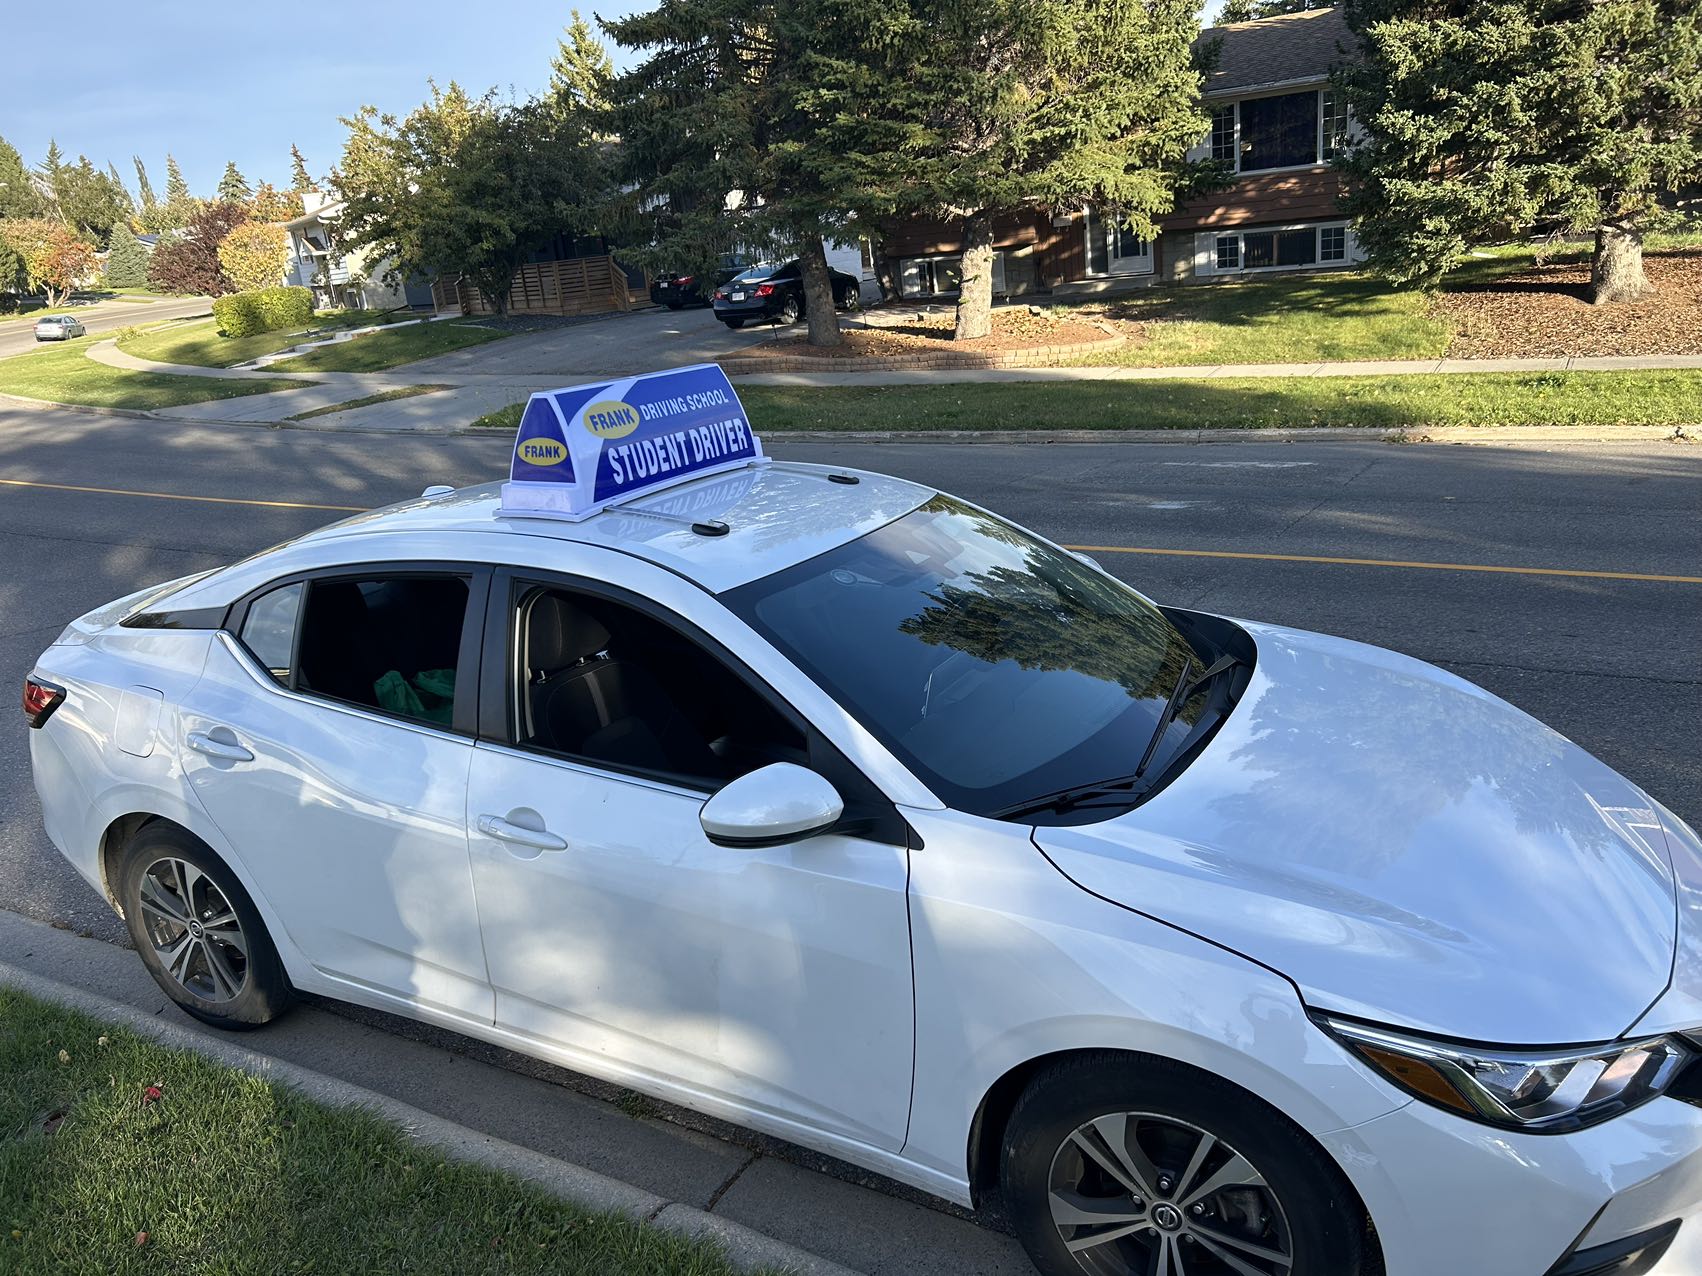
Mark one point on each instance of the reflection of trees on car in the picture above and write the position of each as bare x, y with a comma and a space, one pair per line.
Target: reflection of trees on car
1052, 617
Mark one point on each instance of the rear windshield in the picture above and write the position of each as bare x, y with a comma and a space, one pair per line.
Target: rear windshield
997, 668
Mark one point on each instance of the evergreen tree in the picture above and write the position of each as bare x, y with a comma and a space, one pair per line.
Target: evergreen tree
18, 194
720, 109
969, 110
299, 180
126, 260
1489, 118
122, 190
144, 188
233, 186
180, 206
52, 167
176, 189
580, 72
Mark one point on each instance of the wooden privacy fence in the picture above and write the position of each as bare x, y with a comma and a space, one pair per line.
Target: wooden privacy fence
572, 286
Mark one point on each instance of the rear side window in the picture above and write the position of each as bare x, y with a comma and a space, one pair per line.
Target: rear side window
388, 643
268, 631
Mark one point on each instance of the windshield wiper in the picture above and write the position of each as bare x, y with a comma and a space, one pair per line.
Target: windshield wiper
1180, 694
1125, 787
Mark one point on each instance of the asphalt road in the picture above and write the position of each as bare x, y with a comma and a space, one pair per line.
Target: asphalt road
17, 335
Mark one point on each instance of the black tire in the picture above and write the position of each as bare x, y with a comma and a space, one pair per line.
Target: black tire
791, 310
214, 954
676, 305
734, 324
1316, 1218
851, 300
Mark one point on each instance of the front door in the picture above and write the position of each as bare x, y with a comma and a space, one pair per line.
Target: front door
773, 981
324, 743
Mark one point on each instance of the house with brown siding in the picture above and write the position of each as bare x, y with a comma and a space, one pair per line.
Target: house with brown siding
1275, 121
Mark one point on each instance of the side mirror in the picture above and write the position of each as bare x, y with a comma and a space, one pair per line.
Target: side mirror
770, 806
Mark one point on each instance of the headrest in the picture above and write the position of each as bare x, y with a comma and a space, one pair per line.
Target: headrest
560, 633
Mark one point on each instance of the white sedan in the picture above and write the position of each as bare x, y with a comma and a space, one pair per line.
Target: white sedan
840, 808
59, 328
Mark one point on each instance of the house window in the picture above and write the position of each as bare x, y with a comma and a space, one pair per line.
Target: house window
1333, 114
1223, 135
1279, 132
936, 276
1274, 248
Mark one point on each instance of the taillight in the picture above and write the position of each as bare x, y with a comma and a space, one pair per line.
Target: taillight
764, 290
683, 280
40, 700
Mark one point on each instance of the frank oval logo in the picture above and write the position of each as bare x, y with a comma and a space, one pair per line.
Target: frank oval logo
541, 451
611, 419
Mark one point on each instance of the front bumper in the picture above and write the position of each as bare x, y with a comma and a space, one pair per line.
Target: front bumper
1449, 1195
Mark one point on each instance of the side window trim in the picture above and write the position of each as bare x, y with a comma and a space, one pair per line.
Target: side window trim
875, 816
464, 718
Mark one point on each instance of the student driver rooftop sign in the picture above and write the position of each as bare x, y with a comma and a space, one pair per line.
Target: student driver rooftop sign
589, 446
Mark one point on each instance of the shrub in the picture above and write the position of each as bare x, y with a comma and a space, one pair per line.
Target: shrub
253, 256
242, 314
188, 261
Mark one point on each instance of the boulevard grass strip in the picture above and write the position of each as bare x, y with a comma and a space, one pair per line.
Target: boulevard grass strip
198, 342
1246, 403
124, 1156
378, 351
63, 374
400, 392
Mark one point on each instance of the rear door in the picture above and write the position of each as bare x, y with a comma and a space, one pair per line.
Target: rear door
330, 739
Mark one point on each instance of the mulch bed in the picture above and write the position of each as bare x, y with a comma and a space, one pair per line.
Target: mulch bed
1545, 312
1014, 329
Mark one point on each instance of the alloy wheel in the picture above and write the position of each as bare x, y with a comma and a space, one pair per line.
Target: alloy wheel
1135, 1194
194, 930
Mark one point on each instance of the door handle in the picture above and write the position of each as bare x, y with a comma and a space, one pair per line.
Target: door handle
225, 751
507, 831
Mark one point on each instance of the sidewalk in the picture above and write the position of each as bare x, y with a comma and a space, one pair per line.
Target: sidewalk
474, 394
756, 1183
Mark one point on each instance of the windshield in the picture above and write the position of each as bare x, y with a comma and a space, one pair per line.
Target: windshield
997, 668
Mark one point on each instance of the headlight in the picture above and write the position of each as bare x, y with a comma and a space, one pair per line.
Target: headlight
1540, 1092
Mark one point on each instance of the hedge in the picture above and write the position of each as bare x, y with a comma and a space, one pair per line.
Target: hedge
242, 314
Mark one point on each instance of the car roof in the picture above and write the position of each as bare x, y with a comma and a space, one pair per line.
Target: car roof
776, 514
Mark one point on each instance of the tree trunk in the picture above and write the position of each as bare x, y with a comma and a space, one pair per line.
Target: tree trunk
886, 270
975, 296
1616, 270
818, 294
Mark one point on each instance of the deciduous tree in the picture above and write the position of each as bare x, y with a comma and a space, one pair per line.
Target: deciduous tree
1488, 119
253, 255
144, 188
188, 262
53, 258
466, 185
91, 201
273, 205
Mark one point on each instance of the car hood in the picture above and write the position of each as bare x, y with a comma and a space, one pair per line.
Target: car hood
1406, 848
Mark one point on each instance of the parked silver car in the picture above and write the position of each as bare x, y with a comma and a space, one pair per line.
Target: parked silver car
59, 328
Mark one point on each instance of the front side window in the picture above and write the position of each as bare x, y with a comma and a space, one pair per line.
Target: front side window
997, 668
268, 630
606, 684
1332, 243
1279, 132
387, 643
1228, 252
1333, 112
1258, 249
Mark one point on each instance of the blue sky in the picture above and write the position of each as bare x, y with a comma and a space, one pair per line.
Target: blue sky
212, 82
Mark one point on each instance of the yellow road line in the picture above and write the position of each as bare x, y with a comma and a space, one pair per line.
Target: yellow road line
175, 496
1386, 562
1085, 549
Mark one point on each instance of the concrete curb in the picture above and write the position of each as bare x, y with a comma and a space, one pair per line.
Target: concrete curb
746, 1249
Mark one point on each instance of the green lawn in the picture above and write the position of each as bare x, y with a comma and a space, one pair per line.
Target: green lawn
401, 392
1250, 403
121, 1156
64, 374
1302, 319
198, 342
380, 350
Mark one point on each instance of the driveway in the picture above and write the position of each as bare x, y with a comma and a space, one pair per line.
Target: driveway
16, 336
638, 342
